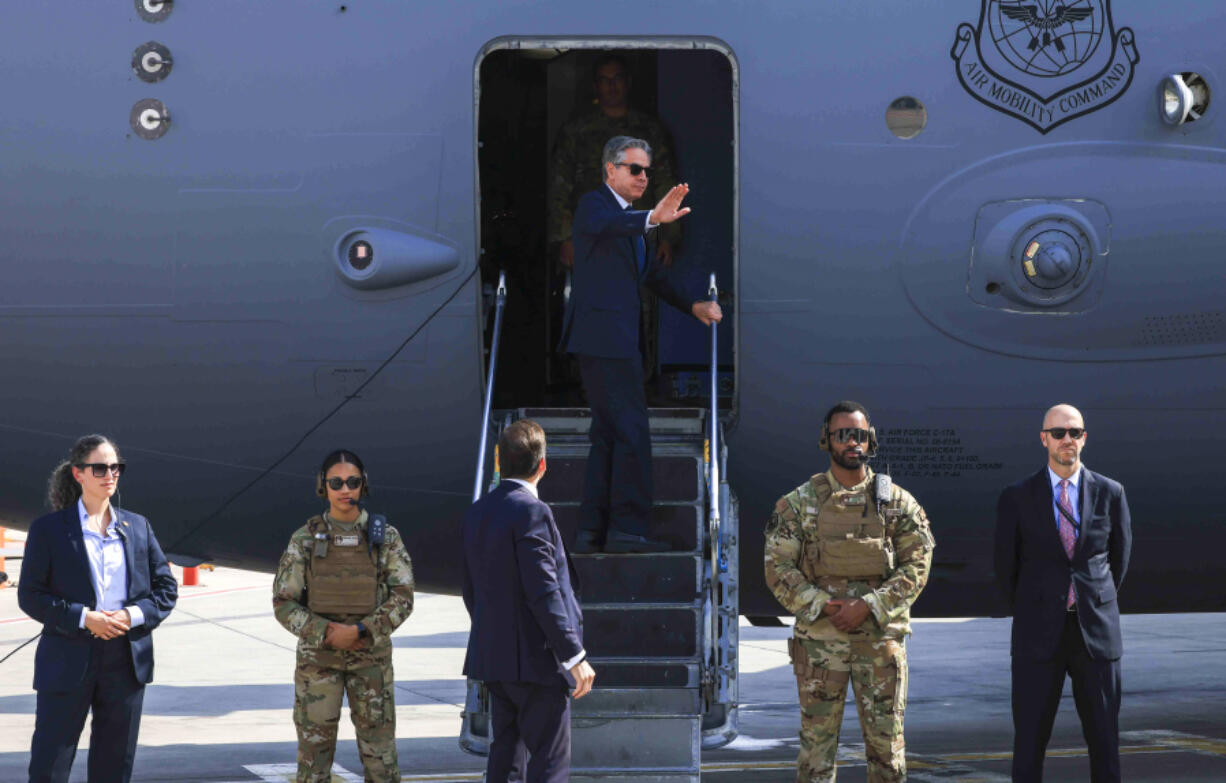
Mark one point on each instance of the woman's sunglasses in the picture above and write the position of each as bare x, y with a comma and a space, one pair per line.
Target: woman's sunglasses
100, 469
336, 482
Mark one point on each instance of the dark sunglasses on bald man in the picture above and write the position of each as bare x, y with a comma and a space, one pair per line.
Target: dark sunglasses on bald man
336, 482
1059, 432
845, 434
636, 169
100, 469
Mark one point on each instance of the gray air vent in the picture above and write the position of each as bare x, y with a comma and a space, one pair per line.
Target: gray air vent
1186, 329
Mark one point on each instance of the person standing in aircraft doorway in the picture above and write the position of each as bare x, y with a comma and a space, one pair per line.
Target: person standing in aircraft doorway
344, 584
575, 169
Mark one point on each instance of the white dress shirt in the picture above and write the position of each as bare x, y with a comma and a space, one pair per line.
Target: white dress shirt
1074, 495
570, 664
107, 567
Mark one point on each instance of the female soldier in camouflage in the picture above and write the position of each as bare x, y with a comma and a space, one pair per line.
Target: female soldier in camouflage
343, 586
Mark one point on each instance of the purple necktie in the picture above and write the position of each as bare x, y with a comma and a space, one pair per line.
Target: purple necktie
1068, 536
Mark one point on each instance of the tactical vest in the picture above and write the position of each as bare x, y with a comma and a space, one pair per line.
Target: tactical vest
343, 577
845, 535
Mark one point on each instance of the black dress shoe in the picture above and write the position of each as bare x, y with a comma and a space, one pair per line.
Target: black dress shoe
587, 542
619, 543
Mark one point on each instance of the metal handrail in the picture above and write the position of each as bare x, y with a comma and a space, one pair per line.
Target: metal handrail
713, 478
501, 300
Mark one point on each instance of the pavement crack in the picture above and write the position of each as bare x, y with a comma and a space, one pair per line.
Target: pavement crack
181, 611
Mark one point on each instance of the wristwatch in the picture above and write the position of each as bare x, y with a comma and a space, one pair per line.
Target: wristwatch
362, 632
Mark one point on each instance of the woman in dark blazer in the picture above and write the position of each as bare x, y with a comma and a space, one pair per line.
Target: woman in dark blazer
97, 580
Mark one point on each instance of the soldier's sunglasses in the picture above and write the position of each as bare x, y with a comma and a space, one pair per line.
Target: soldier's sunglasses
336, 482
1077, 433
100, 469
845, 434
636, 169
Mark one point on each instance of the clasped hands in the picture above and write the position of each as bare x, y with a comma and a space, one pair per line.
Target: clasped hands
108, 625
344, 637
846, 614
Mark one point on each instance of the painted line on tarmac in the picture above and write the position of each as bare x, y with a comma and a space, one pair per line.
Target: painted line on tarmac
940, 768
281, 773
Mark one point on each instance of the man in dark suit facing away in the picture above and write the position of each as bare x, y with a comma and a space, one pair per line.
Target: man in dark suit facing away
601, 327
1063, 538
526, 642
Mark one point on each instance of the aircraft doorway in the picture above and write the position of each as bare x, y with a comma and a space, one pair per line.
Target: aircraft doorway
541, 113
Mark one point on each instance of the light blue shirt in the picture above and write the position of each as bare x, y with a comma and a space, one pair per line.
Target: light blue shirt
107, 568
1074, 496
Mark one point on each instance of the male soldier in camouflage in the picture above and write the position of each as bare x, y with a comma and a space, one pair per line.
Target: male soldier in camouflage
847, 554
576, 169
343, 586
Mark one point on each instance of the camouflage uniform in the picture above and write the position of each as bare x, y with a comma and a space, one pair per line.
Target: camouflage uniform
872, 656
576, 169
323, 674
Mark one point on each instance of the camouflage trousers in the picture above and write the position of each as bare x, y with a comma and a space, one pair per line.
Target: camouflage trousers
877, 669
321, 680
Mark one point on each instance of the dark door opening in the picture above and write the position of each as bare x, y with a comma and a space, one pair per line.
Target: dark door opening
543, 117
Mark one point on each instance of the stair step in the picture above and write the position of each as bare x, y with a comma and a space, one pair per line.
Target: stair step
638, 702
651, 578
644, 673
640, 631
556, 421
608, 745
679, 526
677, 479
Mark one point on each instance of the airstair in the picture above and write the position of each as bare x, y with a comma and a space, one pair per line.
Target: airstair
660, 629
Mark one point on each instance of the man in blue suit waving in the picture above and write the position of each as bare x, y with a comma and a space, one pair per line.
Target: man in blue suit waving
526, 641
601, 327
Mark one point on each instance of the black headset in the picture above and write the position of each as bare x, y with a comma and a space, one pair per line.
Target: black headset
322, 491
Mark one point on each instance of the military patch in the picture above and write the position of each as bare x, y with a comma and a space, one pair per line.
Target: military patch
895, 512
858, 499
1045, 63
347, 540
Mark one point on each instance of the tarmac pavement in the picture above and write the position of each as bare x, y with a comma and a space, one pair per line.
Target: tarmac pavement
220, 708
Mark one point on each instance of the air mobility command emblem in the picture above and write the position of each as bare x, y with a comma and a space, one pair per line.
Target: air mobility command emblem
1045, 61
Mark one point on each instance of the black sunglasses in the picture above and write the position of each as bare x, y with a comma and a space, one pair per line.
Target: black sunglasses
336, 482
636, 169
844, 434
1059, 432
100, 469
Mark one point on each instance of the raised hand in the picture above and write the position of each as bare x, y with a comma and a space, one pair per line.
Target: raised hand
669, 208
